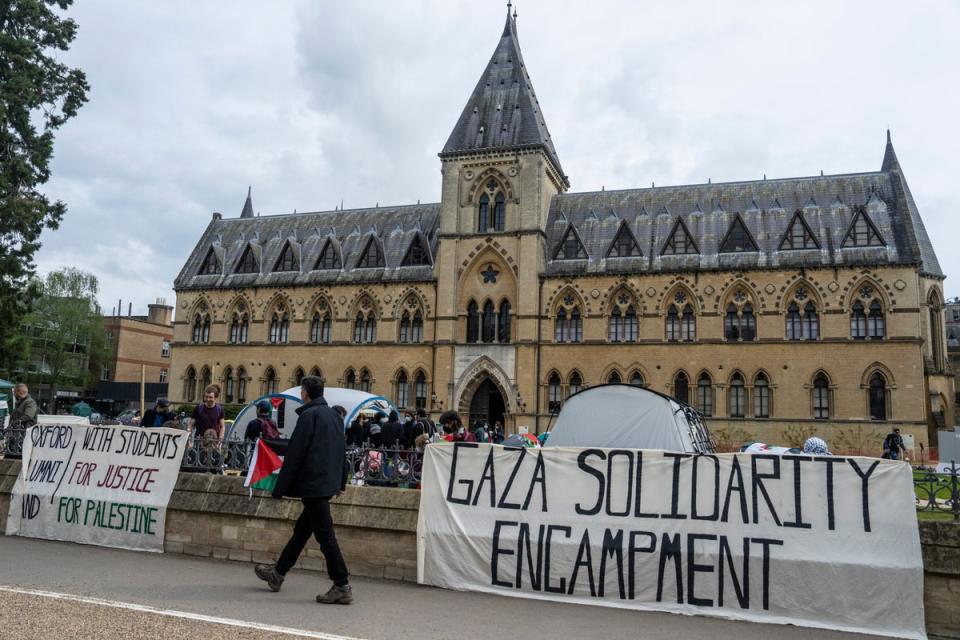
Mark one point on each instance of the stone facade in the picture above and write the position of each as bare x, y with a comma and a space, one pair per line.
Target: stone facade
516, 284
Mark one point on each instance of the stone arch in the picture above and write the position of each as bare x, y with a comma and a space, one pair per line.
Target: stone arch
274, 302
202, 305
488, 244
612, 368
240, 303
481, 369
403, 302
613, 294
315, 302
873, 368
673, 296
730, 290
854, 289
479, 183
787, 292
366, 301
560, 299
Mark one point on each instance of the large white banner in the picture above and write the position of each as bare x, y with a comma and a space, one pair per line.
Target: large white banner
827, 542
96, 485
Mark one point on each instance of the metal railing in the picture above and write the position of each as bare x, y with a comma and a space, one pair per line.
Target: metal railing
938, 492
384, 466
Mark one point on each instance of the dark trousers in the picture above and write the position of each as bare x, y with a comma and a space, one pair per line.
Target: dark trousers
316, 521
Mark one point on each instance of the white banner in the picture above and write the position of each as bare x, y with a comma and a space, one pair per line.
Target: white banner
827, 542
96, 485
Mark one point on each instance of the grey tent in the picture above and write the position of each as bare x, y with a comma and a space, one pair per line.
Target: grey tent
629, 417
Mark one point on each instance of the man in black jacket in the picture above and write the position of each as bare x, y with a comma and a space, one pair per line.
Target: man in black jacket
314, 470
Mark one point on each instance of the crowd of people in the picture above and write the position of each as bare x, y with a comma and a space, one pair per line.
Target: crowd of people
417, 429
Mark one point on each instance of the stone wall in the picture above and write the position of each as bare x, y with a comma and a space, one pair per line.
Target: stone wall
941, 579
214, 516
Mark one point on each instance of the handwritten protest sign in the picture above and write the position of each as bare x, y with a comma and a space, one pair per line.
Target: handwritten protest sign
827, 542
96, 485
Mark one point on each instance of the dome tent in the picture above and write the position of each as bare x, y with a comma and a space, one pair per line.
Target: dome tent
630, 417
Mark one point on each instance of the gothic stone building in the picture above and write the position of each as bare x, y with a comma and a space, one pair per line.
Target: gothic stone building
779, 308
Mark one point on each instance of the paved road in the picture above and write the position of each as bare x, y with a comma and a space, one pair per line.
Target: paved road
63, 590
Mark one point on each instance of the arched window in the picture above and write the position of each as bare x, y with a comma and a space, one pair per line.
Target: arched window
936, 330
320, 328
630, 325
316, 373
190, 385
673, 324
473, 322
279, 328
483, 213
420, 390
794, 324
761, 396
201, 328
613, 329
576, 382
811, 322
878, 397
688, 325
858, 321
636, 379
876, 326
350, 379
403, 390
503, 324
370, 333
228, 387
298, 376
614, 378
560, 326
738, 397
416, 329
731, 323
748, 323
235, 329
365, 381
821, 397
358, 328
681, 388
576, 326
489, 322
241, 385
270, 381
206, 378
553, 393
705, 394
405, 328
498, 211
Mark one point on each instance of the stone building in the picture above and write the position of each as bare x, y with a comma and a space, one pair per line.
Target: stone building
777, 307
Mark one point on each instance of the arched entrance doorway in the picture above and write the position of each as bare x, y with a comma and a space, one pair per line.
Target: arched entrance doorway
487, 405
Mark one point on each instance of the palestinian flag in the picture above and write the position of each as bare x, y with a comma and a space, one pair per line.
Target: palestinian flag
264, 467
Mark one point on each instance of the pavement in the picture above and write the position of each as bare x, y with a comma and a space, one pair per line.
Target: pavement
64, 590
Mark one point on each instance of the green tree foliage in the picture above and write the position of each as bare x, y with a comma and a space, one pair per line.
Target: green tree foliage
38, 94
65, 330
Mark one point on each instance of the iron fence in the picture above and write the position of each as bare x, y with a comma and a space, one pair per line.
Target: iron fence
938, 492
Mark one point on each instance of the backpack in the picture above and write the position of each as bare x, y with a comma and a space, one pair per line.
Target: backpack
268, 429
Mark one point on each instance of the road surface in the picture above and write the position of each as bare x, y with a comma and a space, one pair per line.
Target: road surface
63, 590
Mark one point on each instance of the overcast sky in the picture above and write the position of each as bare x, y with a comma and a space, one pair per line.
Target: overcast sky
314, 102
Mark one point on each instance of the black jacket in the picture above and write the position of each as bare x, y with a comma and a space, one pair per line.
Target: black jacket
315, 465
391, 434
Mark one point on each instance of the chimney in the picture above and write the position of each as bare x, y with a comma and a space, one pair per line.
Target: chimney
129, 309
160, 313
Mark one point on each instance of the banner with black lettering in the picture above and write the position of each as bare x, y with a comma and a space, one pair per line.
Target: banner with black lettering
827, 542
96, 485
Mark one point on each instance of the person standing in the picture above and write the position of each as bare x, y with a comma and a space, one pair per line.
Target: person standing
24, 414
208, 415
893, 445
314, 470
159, 415
262, 426
391, 432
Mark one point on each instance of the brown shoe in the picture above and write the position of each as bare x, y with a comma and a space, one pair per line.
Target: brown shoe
268, 573
337, 595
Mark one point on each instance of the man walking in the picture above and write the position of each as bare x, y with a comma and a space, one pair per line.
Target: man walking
314, 470
893, 445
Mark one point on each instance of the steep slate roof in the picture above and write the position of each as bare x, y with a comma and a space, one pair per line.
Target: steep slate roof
502, 112
394, 228
828, 204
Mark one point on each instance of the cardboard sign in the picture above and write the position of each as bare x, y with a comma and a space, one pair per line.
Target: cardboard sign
96, 485
827, 542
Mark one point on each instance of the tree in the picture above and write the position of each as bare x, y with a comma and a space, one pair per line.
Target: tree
65, 330
38, 94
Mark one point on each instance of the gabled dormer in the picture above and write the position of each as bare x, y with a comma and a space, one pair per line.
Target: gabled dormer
624, 244
862, 232
570, 247
372, 255
418, 253
211, 264
799, 235
738, 238
680, 241
329, 257
248, 261
287, 260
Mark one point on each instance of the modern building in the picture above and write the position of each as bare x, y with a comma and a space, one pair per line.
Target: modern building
778, 307
138, 346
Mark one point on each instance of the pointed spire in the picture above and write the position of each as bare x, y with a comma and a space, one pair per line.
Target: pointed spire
890, 162
502, 113
247, 211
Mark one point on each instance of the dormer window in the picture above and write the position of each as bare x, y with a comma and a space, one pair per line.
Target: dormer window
372, 256
329, 257
287, 260
211, 264
248, 262
417, 254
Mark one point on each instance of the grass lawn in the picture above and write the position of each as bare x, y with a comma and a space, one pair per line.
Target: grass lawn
942, 492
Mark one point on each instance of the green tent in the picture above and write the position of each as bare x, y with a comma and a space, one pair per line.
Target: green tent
82, 409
